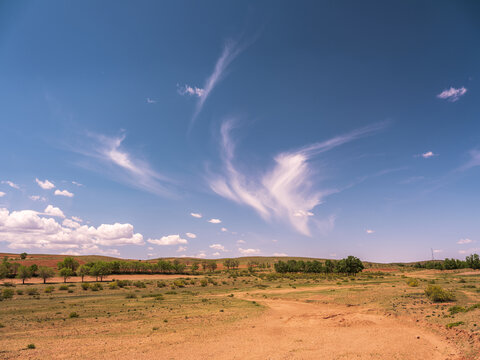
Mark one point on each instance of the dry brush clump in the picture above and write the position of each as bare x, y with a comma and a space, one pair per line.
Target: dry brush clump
437, 294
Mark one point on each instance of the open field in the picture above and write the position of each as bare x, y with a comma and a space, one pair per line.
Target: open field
241, 315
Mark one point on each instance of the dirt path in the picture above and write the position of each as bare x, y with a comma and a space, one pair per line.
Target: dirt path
286, 330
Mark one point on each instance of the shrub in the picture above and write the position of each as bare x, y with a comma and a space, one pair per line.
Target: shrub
449, 326
123, 283
437, 294
19, 292
113, 285
161, 284
412, 282
456, 309
31, 346
7, 293
63, 287
131, 296
96, 286
70, 291
179, 283
139, 284
204, 282
85, 286
73, 315
32, 291
49, 289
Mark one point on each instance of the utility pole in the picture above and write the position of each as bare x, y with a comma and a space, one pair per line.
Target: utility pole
433, 258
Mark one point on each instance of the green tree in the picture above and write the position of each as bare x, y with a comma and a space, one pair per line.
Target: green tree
23, 255
194, 267
45, 273
66, 273
69, 263
83, 270
24, 273
212, 265
329, 266
34, 269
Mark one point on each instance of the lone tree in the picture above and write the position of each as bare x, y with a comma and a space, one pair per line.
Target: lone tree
45, 273
23, 255
194, 267
66, 273
212, 265
24, 273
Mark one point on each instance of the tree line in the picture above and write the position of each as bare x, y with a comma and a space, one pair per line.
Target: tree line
470, 262
350, 265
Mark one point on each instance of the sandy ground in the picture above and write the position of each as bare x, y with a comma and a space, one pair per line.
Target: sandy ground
77, 279
286, 330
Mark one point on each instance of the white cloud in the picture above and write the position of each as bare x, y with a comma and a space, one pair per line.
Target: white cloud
464, 241
53, 211
150, 248
2, 194
224, 229
122, 165
168, 240
240, 241
196, 215
279, 254
151, 101
437, 251
37, 198
190, 90
182, 249
452, 94
217, 247
191, 235
77, 183
64, 193
369, 231
28, 229
216, 254
469, 251
45, 185
428, 154
473, 162
71, 224
249, 251
77, 219
11, 184
285, 191
230, 51
215, 221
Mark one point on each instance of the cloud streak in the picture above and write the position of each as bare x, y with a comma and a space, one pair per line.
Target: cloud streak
285, 191
452, 94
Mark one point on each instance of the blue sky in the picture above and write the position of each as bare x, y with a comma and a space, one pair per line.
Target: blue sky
320, 128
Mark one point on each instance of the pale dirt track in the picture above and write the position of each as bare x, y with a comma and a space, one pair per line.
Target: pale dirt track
286, 330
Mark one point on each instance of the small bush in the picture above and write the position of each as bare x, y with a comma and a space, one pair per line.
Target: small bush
63, 287
85, 286
73, 315
19, 292
49, 289
171, 293
96, 287
9, 284
32, 291
161, 284
113, 285
123, 283
458, 323
31, 346
456, 309
139, 284
131, 296
179, 283
462, 281
412, 282
203, 282
437, 294
7, 293
70, 291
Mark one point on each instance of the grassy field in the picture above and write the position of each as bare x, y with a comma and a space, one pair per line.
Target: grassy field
44, 317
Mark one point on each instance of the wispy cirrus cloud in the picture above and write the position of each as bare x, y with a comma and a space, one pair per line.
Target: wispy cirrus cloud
285, 191
11, 184
196, 215
452, 94
122, 165
231, 50
190, 90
